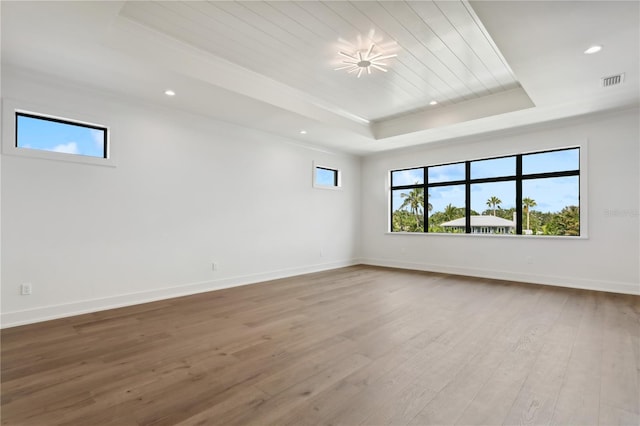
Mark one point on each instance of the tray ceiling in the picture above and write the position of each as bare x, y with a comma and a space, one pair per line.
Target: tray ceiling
444, 52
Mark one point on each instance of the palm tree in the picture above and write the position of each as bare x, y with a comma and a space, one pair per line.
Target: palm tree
415, 201
450, 212
527, 203
493, 202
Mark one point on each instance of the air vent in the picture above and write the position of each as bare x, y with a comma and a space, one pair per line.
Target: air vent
612, 80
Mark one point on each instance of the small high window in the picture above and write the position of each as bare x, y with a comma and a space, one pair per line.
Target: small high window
325, 177
43, 133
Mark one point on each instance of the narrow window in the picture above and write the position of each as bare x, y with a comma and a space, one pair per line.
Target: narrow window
407, 207
551, 193
447, 209
42, 133
550, 206
493, 207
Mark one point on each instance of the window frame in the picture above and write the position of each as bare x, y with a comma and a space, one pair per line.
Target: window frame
12, 108
337, 181
105, 141
518, 177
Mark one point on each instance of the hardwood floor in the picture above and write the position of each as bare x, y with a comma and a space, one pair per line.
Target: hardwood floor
357, 345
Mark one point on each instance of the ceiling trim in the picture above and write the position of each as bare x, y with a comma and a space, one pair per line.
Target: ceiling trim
473, 109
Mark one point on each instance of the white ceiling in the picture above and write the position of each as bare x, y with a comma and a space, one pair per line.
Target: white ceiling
444, 54
270, 65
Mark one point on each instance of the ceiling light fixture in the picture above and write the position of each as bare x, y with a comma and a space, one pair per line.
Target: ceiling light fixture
169, 92
303, 132
593, 49
363, 60
433, 103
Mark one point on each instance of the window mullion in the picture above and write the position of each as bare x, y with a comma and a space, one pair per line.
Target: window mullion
425, 184
467, 203
519, 194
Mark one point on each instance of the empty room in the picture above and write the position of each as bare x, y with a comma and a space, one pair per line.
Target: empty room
320, 213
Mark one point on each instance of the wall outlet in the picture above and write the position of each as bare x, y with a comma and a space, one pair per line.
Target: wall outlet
214, 266
26, 289
321, 253
530, 260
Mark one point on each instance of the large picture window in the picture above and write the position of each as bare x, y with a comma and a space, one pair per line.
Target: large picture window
524, 194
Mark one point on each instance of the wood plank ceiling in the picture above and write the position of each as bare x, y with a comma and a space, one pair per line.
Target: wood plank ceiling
444, 52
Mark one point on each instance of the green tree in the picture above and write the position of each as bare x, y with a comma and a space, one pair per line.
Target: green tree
450, 212
506, 213
527, 203
403, 221
494, 202
567, 222
414, 200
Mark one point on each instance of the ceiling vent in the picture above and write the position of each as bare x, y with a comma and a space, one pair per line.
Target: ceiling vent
612, 80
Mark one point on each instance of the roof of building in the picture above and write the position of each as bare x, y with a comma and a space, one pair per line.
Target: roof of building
489, 221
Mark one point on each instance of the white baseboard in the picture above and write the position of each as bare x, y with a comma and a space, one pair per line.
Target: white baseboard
572, 282
45, 313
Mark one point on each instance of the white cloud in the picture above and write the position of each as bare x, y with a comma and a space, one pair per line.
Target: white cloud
68, 148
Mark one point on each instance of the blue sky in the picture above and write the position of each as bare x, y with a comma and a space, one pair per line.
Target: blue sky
48, 135
325, 177
550, 194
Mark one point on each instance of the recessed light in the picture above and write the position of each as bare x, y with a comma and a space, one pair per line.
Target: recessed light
169, 92
433, 103
303, 132
593, 49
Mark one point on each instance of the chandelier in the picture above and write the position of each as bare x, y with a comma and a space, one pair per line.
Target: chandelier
361, 61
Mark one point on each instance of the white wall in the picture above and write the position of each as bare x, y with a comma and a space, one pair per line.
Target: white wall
608, 259
187, 190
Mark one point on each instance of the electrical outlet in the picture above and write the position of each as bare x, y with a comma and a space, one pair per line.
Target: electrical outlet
214, 266
321, 253
26, 289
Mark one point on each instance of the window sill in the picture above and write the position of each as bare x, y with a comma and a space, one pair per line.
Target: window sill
532, 237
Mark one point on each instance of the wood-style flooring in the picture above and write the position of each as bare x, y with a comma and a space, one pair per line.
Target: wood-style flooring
357, 345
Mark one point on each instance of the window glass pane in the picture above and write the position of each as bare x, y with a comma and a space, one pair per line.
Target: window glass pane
550, 206
326, 177
449, 172
446, 209
407, 177
493, 168
49, 135
554, 161
407, 207
493, 208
